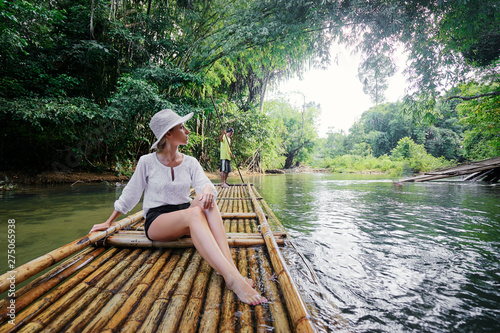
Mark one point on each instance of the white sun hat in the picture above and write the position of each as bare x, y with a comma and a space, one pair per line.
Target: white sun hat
165, 120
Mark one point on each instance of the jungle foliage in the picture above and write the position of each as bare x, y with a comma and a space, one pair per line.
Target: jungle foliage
385, 136
79, 80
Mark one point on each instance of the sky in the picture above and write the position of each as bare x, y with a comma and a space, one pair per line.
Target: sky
338, 91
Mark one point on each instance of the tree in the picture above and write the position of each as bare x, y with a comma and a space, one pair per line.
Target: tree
104, 52
335, 143
300, 128
416, 156
373, 73
481, 118
383, 126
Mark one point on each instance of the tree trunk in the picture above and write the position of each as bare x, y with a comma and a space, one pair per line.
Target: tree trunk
92, 20
263, 89
289, 160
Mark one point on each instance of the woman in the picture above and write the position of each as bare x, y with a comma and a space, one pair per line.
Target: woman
165, 177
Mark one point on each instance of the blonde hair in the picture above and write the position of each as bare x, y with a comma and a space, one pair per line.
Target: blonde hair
161, 145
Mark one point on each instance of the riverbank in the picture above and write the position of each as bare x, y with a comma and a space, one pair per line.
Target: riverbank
56, 177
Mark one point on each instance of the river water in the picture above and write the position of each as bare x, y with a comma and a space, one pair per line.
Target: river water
418, 258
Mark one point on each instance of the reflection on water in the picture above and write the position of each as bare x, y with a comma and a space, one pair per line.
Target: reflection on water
48, 217
421, 258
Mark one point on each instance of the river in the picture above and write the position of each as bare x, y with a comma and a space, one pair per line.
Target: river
418, 258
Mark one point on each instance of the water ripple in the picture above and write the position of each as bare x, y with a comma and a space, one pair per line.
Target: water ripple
424, 258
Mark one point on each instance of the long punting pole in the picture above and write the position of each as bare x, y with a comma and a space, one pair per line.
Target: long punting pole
299, 314
222, 126
35, 266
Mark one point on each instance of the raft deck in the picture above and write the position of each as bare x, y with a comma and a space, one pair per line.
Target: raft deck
119, 281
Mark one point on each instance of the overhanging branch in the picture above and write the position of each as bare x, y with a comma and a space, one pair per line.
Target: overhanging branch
468, 98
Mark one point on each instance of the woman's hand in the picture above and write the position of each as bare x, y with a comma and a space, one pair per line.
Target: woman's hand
207, 197
101, 226
107, 224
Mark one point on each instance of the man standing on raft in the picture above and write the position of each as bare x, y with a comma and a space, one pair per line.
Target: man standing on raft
165, 176
225, 155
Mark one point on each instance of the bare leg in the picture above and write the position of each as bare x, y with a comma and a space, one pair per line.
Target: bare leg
193, 221
222, 180
217, 227
223, 177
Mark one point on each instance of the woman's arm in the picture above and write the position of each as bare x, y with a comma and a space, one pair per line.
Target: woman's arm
130, 196
107, 224
202, 184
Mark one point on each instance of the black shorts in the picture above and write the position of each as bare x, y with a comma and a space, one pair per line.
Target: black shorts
153, 213
225, 166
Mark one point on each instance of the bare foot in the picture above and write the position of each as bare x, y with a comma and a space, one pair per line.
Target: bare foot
244, 292
247, 280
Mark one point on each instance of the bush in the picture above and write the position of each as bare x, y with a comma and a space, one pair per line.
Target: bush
368, 163
417, 157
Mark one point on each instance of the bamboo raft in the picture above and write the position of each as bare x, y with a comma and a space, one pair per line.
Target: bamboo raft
487, 170
119, 281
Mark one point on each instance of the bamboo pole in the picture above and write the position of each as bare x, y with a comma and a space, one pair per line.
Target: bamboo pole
160, 304
61, 291
26, 295
244, 310
179, 300
276, 307
241, 234
191, 315
145, 284
244, 320
44, 310
138, 317
37, 265
222, 192
228, 202
244, 204
230, 193
234, 193
143, 242
234, 227
211, 312
238, 214
48, 275
225, 208
219, 203
262, 321
242, 199
248, 229
228, 317
81, 310
300, 316
241, 214
255, 225
138, 270
102, 301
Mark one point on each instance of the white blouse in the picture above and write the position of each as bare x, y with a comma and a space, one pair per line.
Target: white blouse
155, 180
